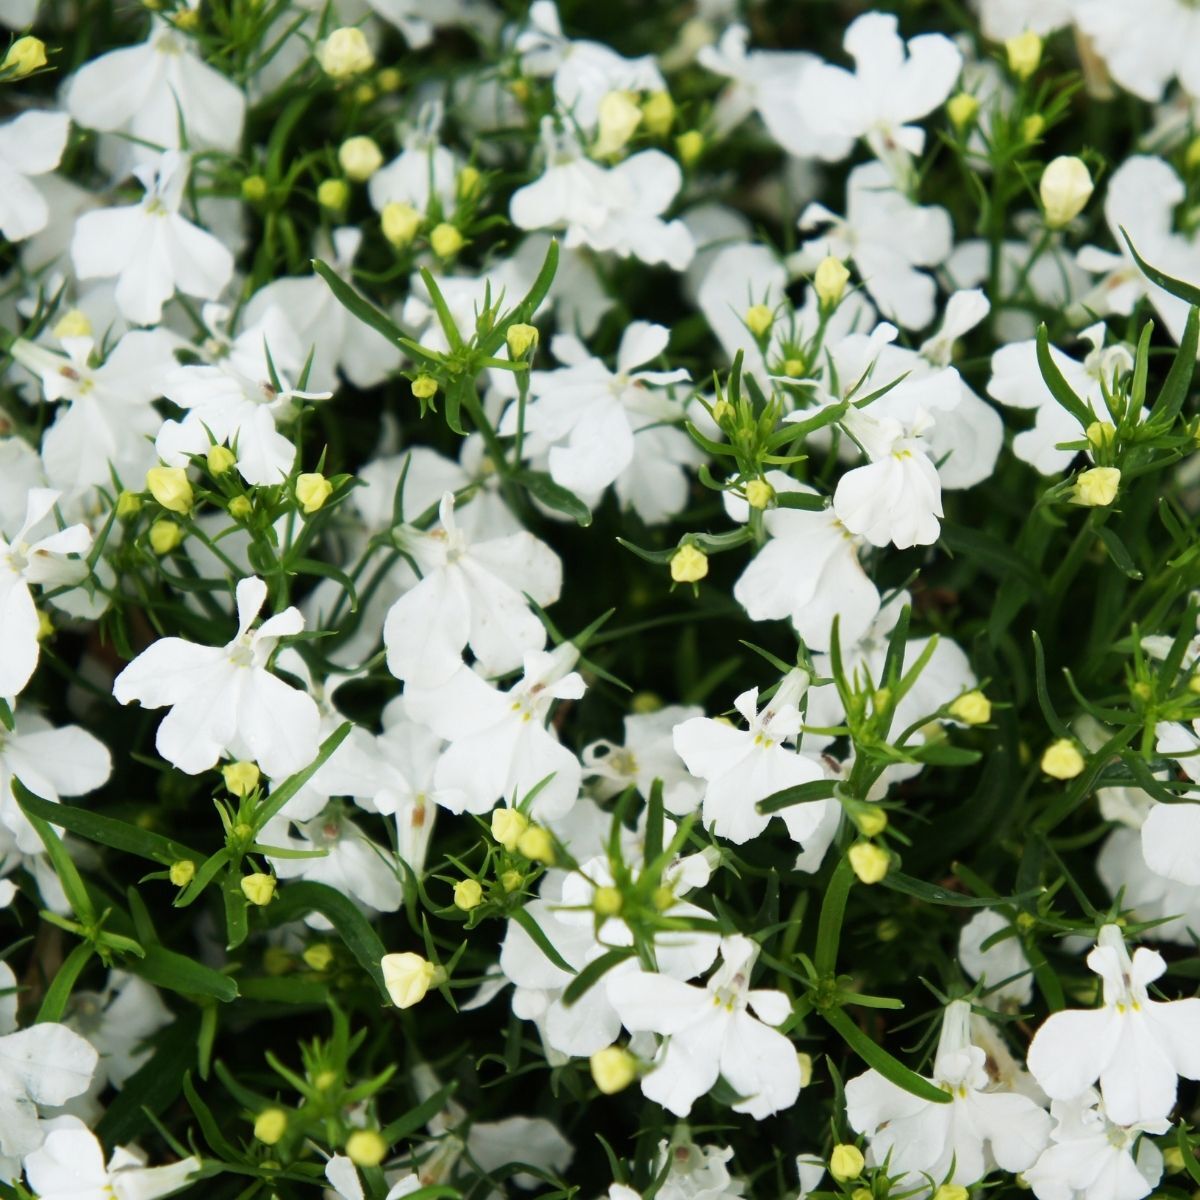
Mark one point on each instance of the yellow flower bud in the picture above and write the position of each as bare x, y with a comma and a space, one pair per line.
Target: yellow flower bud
689, 146
445, 240
644, 703
806, 1067
507, 826
240, 508
467, 894
254, 189
390, 79
1033, 127
536, 843
24, 57
861, 1193
1062, 760
276, 961
318, 957
871, 821
360, 158
258, 888
618, 118
962, 110
793, 368
366, 1148
129, 504
468, 182
407, 977
270, 1125
868, 861
241, 778
663, 898
424, 387
182, 872
364, 94
186, 19
759, 319
829, 281
722, 411
45, 625
613, 1069
521, 340
1024, 53
759, 493
1173, 1159
972, 708
73, 323
658, 113
170, 487
607, 901
1065, 189
951, 1191
325, 1080
164, 536
1101, 434
344, 53
846, 1162
312, 490
511, 880
333, 194
689, 565
1098, 487
220, 459
400, 223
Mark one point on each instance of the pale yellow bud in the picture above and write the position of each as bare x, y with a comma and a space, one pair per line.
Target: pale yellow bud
619, 116
1066, 188
689, 146
390, 79
806, 1067
333, 194
644, 703
312, 490
1062, 760
24, 57
507, 826
871, 821
868, 861
759, 319
1033, 127
846, 1162
254, 189
607, 901
521, 340
511, 880
467, 894
962, 110
536, 843
74, 323
759, 493
344, 53
951, 1191
182, 872
318, 957
220, 459
972, 708
360, 158
45, 625
258, 888
407, 977
241, 778
1098, 487
658, 113
170, 487
129, 504
793, 368
424, 387
830, 281
467, 185
1024, 54
722, 411
1101, 434
164, 536
1173, 1159
445, 240
400, 223
613, 1069
365, 1148
270, 1125
689, 565
240, 508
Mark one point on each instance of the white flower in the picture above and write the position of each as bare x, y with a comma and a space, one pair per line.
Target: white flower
223, 699
1135, 1046
423, 171
1091, 1158
1171, 842
119, 1023
1003, 19
149, 90
1173, 906
957, 1141
150, 248
743, 767
888, 91
30, 145
470, 593
1145, 45
887, 237
28, 559
709, 1032
1002, 968
500, 747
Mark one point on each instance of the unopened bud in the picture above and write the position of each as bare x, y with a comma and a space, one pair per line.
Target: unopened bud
830, 281
258, 888
689, 146
1066, 188
607, 901
407, 977
24, 57
220, 459
868, 861
536, 843
846, 1162
240, 508
467, 894
241, 778
689, 565
962, 109
1098, 487
759, 319
972, 708
164, 536
424, 387
1024, 53
170, 487
445, 240
182, 872
521, 339
658, 114
270, 1125
400, 223
759, 493
1062, 760
366, 1148
344, 53
613, 1069
360, 157
333, 194
312, 490
507, 826
254, 189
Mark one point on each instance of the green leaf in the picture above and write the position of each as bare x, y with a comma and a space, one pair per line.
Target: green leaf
72, 883
1178, 383
804, 793
543, 943
541, 487
932, 894
54, 1003
297, 899
541, 285
1060, 389
285, 791
876, 1056
802, 500
1118, 553
166, 969
417, 1118
1187, 1153
1177, 287
358, 306
237, 921
833, 912
208, 1123
444, 315
594, 972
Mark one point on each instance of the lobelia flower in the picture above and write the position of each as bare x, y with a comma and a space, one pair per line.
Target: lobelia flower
1147, 896
470, 593
1147, 45
742, 767
150, 248
1002, 968
1091, 1158
423, 171
1004, 19
30, 145
223, 699
709, 1033
887, 92
500, 747
1171, 842
1135, 1046
587, 416
148, 91
110, 417
959, 1142
44, 1064
69, 1165
29, 559
888, 238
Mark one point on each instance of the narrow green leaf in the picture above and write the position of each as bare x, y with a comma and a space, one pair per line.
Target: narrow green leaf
876, 1056
1177, 287
358, 306
1178, 383
1117, 551
543, 943
804, 793
594, 972
1060, 389
167, 969
417, 1118
68, 875
54, 1003
542, 488
444, 315
289, 787
833, 912
932, 894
